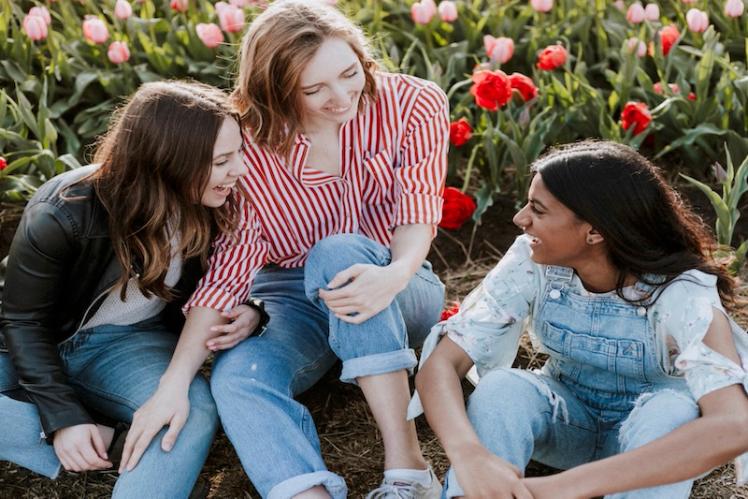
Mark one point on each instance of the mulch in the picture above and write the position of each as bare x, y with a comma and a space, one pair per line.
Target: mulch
350, 441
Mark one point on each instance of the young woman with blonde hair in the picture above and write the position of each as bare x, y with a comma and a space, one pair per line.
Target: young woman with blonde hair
103, 258
346, 170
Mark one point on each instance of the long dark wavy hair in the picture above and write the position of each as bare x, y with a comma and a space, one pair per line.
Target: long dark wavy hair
156, 161
647, 227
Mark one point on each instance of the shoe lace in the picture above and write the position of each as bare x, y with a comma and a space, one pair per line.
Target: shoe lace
393, 491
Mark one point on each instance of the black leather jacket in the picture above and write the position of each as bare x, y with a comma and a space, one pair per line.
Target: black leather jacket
60, 266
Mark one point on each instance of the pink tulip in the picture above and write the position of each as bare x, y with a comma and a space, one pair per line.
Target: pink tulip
499, 49
179, 5
620, 5
637, 46
447, 11
541, 5
635, 14
734, 8
422, 13
652, 12
210, 34
118, 52
34, 27
94, 30
230, 17
41, 12
122, 9
697, 20
688, 2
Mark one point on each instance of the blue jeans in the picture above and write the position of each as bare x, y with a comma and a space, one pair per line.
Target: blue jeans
255, 382
114, 370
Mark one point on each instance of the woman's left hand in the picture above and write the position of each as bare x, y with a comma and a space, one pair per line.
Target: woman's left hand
551, 487
242, 322
363, 290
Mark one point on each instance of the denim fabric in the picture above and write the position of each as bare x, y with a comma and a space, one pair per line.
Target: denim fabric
603, 390
255, 382
114, 370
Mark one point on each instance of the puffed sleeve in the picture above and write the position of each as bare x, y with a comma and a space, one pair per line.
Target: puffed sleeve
492, 317
684, 313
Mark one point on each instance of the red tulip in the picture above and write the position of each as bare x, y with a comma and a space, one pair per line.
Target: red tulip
460, 132
179, 5
450, 311
668, 36
3, 163
552, 57
491, 89
458, 207
635, 114
524, 85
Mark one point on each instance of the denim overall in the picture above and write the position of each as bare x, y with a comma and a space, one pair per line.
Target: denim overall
602, 391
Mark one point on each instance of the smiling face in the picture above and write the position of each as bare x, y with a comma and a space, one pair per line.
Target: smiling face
331, 85
227, 165
559, 237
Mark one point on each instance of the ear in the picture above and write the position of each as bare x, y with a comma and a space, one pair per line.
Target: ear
594, 237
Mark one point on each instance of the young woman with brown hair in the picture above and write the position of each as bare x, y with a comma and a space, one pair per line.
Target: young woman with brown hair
102, 260
645, 385
346, 170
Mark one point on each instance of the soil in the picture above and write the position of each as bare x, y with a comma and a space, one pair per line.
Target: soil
350, 441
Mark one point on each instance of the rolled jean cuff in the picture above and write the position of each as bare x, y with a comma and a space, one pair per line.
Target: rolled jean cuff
379, 363
451, 487
288, 488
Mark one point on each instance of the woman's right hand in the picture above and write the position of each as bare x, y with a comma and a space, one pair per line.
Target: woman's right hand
168, 406
81, 448
482, 474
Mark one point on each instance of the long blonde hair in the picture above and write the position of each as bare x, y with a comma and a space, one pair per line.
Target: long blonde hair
276, 48
156, 161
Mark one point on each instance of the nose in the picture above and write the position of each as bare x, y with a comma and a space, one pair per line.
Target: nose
522, 218
340, 96
237, 167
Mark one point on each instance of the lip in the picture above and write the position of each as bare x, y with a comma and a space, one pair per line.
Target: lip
338, 110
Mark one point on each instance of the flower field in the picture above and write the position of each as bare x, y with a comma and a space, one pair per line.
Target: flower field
668, 77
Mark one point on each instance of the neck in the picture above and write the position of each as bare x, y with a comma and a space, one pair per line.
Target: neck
317, 129
599, 275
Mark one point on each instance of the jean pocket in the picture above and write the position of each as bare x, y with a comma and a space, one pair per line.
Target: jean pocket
623, 357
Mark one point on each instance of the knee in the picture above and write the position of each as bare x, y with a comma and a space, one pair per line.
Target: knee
338, 252
655, 415
203, 413
501, 394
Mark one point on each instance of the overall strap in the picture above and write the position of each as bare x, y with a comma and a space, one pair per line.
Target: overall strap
558, 277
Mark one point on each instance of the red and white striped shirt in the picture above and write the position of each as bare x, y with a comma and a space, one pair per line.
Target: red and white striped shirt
393, 158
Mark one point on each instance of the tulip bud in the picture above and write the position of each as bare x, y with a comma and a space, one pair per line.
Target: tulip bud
422, 13
34, 27
734, 8
697, 20
498, 49
635, 14
41, 12
652, 12
180, 5
634, 45
95, 30
230, 17
118, 52
541, 5
210, 34
447, 11
122, 9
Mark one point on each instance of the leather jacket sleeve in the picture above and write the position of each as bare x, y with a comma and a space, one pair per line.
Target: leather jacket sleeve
38, 271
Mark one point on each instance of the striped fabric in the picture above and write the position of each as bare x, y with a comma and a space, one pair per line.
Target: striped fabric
393, 159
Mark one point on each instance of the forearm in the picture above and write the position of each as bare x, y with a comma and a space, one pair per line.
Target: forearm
409, 247
682, 454
440, 389
191, 350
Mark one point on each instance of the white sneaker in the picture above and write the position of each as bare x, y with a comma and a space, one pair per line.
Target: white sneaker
401, 489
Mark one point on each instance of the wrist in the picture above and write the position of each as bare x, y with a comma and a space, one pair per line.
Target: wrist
400, 273
173, 382
459, 450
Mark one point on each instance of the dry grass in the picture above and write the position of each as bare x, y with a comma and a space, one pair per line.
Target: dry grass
350, 442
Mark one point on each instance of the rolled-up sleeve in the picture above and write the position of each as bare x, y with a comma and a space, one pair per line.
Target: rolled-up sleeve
233, 264
423, 159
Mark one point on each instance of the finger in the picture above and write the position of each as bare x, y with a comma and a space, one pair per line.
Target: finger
231, 314
336, 294
354, 319
98, 444
92, 459
515, 470
226, 328
127, 449
521, 492
65, 461
79, 464
139, 448
175, 426
344, 310
225, 342
342, 277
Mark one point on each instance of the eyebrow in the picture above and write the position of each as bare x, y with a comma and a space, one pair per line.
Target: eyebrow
537, 203
352, 66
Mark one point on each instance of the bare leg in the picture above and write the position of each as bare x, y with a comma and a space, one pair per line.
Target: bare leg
388, 396
318, 492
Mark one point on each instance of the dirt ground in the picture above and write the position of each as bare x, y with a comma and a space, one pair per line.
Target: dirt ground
350, 442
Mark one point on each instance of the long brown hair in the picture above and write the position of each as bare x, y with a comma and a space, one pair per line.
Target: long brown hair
156, 161
648, 229
276, 48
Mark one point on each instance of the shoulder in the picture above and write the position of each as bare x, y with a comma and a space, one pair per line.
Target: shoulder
411, 91
687, 287
516, 272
